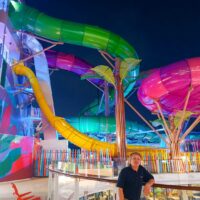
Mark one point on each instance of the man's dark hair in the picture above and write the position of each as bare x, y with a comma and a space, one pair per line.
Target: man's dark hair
136, 153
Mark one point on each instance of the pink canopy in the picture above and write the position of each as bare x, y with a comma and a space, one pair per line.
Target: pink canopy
169, 85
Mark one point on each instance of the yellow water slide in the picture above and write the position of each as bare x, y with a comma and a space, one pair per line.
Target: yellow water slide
62, 126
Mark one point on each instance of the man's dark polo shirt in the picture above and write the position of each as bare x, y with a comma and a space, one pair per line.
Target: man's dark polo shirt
131, 181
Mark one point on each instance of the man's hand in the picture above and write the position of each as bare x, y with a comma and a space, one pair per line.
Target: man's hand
147, 189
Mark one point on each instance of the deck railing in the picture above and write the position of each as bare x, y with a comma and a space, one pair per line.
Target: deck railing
78, 186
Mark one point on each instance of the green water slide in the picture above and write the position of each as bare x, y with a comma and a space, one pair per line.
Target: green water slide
29, 19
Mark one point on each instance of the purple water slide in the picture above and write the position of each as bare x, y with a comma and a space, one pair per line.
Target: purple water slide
70, 63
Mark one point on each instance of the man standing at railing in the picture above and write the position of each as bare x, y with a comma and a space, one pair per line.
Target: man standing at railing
132, 178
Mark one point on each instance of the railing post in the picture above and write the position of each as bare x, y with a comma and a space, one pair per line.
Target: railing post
50, 189
154, 196
55, 187
76, 188
184, 195
115, 193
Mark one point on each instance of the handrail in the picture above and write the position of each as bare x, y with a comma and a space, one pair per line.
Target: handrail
178, 187
114, 180
89, 177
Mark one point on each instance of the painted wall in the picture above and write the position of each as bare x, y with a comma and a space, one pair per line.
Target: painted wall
16, 160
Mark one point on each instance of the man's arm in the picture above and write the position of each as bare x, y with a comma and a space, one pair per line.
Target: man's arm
147, 186
120, 193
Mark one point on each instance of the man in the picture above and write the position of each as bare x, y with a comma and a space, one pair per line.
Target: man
132, 178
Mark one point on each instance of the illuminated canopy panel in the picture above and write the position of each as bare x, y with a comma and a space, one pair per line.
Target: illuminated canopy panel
169, 86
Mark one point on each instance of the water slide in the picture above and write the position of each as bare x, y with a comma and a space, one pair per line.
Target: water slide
170, 84
76, 65
62, 126
69, 62
31, 20
96, 124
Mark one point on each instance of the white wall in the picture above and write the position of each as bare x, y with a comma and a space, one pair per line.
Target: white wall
54, 144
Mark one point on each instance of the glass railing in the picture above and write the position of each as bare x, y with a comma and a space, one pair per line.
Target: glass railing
72, 185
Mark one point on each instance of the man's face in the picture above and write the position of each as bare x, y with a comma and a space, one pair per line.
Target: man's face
135, 160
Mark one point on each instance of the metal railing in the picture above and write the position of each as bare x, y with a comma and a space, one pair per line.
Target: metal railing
75, 186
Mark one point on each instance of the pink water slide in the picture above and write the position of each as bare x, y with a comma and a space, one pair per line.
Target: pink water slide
169, 85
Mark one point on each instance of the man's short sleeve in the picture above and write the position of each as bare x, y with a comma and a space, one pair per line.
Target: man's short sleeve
121, 178
147, 176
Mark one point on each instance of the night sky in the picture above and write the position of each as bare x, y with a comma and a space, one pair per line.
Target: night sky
162, 32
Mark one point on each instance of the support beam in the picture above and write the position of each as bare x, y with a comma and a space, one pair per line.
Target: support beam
135, 110
183, 114
164, 120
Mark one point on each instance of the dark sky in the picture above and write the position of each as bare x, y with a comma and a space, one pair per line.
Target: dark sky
162, 32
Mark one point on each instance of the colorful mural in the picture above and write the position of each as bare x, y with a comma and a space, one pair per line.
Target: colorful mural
15, 157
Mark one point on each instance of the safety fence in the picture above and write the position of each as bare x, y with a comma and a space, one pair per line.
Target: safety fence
191, 146
90, 162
